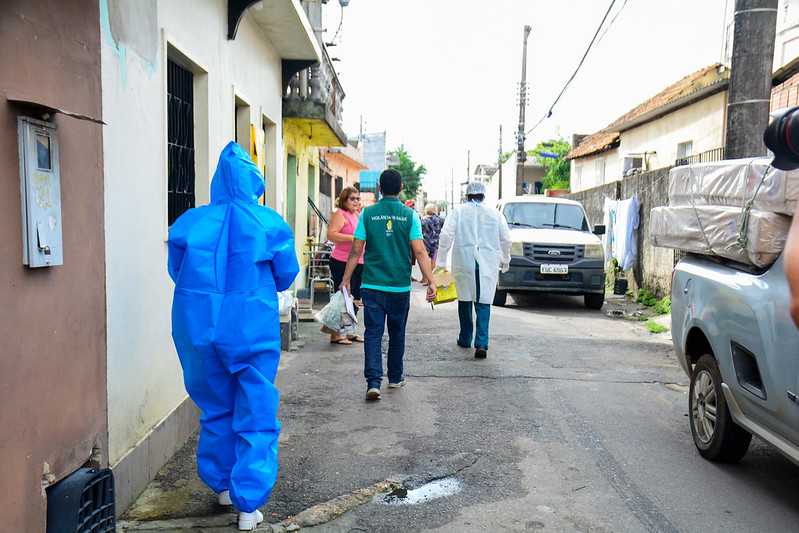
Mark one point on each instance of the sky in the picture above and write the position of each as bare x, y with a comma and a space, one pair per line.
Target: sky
441, 76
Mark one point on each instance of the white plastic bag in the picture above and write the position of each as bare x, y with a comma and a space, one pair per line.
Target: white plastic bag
337, 316
330, 315
347, 324
285, 301
349, 306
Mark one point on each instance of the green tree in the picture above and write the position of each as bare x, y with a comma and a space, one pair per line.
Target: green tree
558, 171
412, 174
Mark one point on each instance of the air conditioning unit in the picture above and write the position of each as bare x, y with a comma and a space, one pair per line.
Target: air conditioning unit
632, 164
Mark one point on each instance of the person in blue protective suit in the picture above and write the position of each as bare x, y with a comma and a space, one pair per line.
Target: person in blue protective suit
228, 260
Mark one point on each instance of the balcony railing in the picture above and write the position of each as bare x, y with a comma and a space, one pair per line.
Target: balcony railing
315, 93
716, 154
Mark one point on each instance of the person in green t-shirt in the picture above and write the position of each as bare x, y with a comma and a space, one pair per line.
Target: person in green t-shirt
394, 233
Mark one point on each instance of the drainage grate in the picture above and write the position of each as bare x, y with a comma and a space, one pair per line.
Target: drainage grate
82, 503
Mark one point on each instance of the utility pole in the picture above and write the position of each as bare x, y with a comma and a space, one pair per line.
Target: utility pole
521, 156
452, 188
499, 162
750, 78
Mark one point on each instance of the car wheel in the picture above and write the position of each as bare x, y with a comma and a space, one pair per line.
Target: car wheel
594, 300
715, 434
500, 298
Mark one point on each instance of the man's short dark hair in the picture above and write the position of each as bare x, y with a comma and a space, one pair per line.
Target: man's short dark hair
390, 182
478, 197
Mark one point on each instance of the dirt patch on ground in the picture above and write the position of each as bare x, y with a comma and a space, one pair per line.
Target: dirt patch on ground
625, 307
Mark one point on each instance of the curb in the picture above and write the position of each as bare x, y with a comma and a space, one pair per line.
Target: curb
313, 516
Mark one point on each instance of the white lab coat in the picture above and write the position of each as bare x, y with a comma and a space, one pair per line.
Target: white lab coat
475, 232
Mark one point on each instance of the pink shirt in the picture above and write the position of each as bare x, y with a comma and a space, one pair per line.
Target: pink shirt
341, 250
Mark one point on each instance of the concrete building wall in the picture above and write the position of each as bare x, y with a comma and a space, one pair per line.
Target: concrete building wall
786, 43
52, 322
652, 267
587, 172
786, 47
148, 408
344, 163
701, 123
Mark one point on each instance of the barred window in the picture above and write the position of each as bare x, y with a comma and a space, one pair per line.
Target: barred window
180, 140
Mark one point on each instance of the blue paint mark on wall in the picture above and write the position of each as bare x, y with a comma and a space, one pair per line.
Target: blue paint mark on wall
119, 50
149, 68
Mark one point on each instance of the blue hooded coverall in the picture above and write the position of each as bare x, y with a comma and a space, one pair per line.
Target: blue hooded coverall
228, 261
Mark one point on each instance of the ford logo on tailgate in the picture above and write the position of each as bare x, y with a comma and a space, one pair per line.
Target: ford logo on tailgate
554, 253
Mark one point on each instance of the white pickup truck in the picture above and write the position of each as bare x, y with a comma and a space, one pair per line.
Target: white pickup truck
554, 250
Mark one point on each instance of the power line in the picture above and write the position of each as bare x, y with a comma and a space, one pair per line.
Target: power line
591, 44
612, 21
340, 21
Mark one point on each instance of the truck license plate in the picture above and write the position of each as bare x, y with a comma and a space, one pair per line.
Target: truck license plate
554, 269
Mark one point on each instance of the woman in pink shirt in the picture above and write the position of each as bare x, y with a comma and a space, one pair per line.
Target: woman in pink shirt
342, 226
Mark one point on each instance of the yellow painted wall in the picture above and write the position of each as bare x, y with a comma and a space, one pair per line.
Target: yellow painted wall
298, 145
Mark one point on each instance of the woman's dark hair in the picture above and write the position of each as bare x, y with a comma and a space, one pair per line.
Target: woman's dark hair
346, 192
479, 197
390, 182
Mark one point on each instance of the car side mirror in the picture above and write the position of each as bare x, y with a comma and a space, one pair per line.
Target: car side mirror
599, 229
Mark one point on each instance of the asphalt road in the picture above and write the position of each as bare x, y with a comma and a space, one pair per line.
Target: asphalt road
575, 422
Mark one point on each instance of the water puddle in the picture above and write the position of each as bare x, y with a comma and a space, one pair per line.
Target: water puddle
430, 491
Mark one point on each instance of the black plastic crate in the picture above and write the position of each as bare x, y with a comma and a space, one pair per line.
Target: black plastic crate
82, 503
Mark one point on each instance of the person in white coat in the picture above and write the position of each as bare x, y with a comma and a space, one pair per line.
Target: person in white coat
480, 241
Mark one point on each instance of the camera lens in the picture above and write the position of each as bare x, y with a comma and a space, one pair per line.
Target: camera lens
782, 137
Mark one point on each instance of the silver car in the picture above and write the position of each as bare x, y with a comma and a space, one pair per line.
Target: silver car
734, 337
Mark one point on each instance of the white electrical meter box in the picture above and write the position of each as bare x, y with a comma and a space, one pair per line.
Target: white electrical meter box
40, 186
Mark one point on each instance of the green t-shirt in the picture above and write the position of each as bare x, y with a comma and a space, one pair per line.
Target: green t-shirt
388, 228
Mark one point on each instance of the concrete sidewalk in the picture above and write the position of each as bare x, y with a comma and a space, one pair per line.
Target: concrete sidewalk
226, 518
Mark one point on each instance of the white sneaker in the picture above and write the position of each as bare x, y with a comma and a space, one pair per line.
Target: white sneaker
224, 498
248, 521
373, 394
396, 385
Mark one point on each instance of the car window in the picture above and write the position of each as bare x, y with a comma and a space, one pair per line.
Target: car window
544, 215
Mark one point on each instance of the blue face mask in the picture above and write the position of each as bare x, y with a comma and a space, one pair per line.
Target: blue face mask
476, 201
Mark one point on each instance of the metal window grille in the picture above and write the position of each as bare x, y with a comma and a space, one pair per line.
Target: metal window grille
180, 139
716, 154
325, 183
339, 186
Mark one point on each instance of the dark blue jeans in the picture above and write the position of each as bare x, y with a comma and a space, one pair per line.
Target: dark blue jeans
483, 312
381, 308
